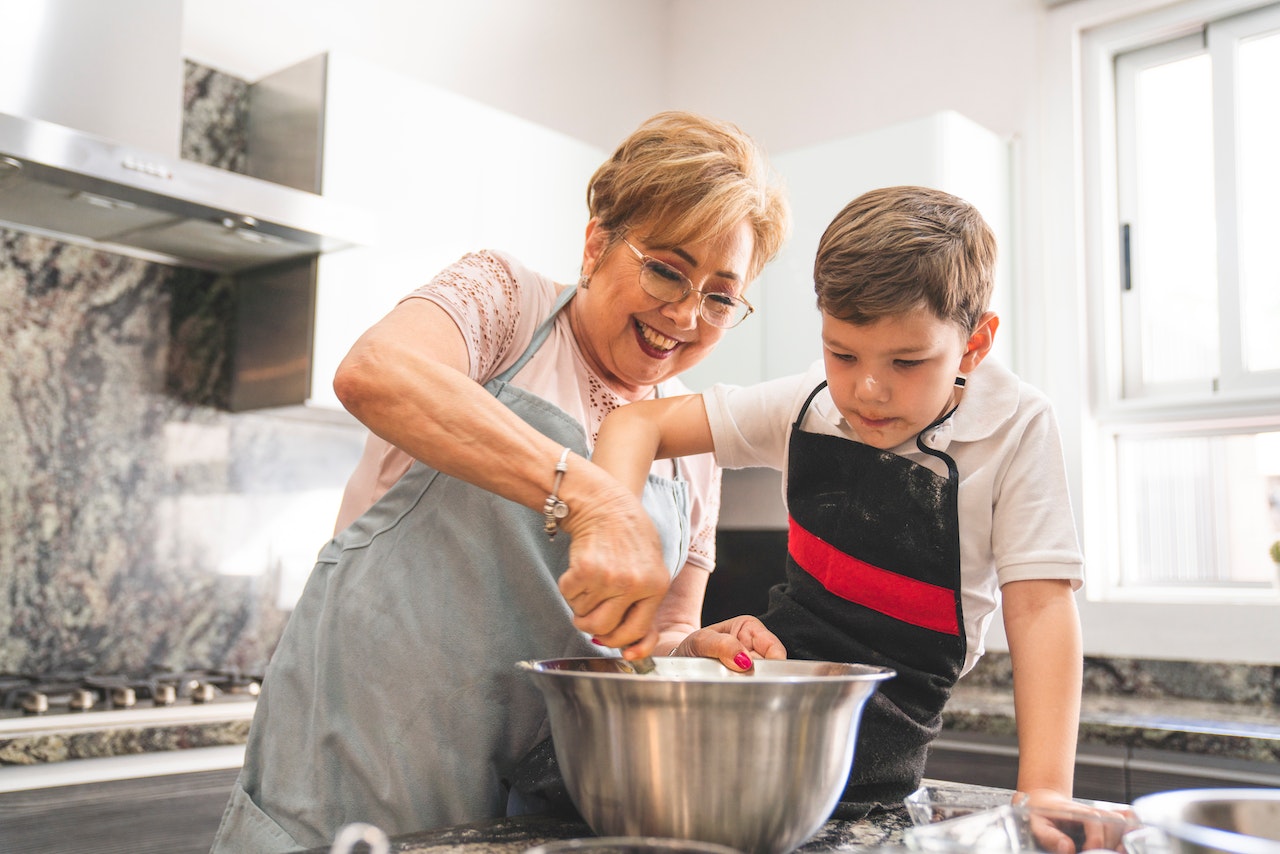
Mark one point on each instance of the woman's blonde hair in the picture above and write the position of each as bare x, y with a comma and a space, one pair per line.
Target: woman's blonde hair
689, 178
896, 249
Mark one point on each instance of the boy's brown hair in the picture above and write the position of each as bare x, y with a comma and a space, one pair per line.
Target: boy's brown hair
896, 249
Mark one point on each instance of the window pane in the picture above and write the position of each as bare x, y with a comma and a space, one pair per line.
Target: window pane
1258, 117
1198, 509
1175, 245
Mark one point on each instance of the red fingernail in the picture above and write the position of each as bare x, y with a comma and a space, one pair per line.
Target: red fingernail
597, 641
742, 660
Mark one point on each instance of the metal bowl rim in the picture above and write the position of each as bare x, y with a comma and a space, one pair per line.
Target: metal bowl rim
657, 842
863, 673
1202, 834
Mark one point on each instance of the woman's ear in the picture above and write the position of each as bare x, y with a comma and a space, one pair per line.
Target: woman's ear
597, 240
980, 341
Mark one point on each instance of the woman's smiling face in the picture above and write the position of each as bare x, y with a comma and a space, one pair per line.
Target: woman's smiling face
635, 341
892, 378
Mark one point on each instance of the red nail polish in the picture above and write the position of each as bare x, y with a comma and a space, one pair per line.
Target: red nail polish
742, 660
597, 641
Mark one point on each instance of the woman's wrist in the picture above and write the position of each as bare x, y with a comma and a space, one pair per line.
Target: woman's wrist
554, 509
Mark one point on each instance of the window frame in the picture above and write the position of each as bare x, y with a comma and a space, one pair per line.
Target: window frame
1238, 402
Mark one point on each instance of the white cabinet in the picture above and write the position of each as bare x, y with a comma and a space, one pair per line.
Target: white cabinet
443, 175
945, 151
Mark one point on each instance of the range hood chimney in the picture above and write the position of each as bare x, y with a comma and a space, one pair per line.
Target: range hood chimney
90, 133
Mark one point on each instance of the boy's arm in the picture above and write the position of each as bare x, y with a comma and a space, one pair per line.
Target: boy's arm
635, 435
1043, 629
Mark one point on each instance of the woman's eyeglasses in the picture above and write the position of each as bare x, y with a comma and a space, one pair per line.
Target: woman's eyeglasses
664, 282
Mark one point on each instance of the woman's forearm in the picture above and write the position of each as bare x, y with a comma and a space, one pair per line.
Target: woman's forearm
406, 381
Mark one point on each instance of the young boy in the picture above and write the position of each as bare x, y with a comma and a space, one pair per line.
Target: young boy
923, 485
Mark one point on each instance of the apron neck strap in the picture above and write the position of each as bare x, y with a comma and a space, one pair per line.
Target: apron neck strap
539, 335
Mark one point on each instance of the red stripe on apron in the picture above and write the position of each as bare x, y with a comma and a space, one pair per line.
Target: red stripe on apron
907, 599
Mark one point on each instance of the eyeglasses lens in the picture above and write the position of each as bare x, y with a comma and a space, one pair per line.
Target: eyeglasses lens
670, 285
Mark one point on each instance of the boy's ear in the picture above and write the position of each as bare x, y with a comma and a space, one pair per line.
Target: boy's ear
979, 343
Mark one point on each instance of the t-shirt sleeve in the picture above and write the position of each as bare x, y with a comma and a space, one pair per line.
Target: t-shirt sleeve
750, 424
705, 516
486, 300
1033, 530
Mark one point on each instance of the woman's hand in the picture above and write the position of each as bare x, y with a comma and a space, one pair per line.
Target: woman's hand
735, 643
616, 577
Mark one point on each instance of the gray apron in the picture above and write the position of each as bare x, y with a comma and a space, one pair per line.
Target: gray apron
393, 696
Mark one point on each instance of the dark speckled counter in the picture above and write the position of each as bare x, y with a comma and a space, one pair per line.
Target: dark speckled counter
1226, 730
518, 834
1229, 711
98, 735
1211, 710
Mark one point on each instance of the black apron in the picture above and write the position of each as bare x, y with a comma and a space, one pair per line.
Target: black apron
873, 577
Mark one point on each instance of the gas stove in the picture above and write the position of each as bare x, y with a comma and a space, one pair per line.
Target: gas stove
72, 698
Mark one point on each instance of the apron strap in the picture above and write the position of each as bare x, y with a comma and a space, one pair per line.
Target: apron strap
952, 472
804, 409
539, 335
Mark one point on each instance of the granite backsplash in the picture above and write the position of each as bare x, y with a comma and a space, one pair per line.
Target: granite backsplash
140, 526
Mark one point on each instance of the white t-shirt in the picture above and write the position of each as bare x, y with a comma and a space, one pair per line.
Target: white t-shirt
1015, 511
498, 303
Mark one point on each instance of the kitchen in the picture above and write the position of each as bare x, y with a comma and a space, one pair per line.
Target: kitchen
143, 528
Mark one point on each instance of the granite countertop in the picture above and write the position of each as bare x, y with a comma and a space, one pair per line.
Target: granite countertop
1220, 710
1228, 730
26, 741
517, 834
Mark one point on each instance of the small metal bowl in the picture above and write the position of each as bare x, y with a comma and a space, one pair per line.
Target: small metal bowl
1214, 821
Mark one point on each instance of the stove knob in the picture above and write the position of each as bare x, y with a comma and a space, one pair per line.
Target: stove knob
203, 692
35, 703
166, 695
82, 700
123, 697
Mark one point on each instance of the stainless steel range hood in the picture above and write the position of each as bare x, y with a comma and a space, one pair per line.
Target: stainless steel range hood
90, 123
71, 184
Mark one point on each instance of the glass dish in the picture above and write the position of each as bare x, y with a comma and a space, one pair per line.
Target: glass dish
928, 804
1016, 829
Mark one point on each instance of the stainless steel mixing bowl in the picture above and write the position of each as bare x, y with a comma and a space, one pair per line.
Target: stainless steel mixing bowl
1200, 821
754, 761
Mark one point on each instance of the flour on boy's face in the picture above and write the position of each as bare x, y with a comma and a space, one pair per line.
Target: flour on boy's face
892, 378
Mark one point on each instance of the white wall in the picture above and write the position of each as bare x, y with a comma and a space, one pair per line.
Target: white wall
793, 73
592, 70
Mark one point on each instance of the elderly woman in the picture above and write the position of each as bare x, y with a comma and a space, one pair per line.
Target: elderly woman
393, 696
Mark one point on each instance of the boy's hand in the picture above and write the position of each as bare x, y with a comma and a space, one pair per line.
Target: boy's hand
735, 643
1065, 826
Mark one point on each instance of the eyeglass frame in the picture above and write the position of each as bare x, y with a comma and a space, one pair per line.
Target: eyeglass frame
689, 288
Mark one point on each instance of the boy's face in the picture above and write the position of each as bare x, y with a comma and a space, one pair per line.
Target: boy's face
892, 378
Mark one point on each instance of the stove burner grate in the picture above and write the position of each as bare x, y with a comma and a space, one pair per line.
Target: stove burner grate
75, 691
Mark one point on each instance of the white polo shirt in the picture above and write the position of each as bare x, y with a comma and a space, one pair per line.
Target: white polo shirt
1015, 512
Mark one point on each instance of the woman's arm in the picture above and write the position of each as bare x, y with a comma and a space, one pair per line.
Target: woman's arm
406, 380
630, 439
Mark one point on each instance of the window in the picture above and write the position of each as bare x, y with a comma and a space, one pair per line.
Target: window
1189, 328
